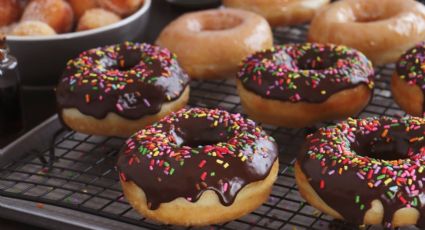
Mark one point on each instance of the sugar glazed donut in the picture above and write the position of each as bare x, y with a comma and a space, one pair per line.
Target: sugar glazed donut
381, 29
57, 14
298, 85
368, 171
116, 90
408, 81
198, 167
95, 18
280, 12
212, 43
32, 28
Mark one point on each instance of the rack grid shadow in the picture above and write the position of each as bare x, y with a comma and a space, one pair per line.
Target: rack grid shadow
83, 177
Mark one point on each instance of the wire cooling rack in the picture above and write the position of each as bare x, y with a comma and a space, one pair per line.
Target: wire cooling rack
83, 177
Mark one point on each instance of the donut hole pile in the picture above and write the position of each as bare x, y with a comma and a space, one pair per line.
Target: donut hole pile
50, 17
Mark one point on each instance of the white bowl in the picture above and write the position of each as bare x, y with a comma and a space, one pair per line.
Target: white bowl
41, 59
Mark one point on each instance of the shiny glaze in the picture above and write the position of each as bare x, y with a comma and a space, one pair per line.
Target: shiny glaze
305, 72
195, 150
355, 162
129, 79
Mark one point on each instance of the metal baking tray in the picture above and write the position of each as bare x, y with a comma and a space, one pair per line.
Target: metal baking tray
82, 188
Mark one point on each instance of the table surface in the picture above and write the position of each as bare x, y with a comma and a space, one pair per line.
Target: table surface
39, 103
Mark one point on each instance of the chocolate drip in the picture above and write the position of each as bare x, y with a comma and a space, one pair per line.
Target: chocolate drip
131, 80
410, 67
198, 150
305, 72
377, 160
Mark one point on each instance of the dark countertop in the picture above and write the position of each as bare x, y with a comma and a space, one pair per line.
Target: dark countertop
38, 103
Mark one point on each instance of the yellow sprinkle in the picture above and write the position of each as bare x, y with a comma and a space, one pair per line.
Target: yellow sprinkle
386, 182
226, 165
219, 161
243, 158
215, 123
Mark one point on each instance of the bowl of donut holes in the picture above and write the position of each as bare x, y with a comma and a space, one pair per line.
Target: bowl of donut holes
44, 34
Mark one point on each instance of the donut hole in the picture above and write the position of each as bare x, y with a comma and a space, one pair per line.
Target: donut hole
127, 61
199, 133
217, 22
396, 147
309, 61
367, 13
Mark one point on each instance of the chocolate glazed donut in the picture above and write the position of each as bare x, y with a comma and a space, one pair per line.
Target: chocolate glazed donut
408, 81
297, 85
131, 84
208, 164
366, 171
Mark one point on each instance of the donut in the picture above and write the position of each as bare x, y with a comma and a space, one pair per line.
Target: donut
80, 7
9, 12
366, 171
116, 90
298, 85
198, 167
95, 18
121, 7
381, 29
278, 12
211, 43
32, 28
407, 84
56, 13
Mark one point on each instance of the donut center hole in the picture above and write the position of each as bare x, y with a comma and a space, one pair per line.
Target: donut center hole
312, 61
373, 13
198, 133
395, 147
219, 22
128, 59
370, 18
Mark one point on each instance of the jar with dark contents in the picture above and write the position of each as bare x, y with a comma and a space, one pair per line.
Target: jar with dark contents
10, 93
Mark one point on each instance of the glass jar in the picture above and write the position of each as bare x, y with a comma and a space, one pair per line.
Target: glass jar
10, 93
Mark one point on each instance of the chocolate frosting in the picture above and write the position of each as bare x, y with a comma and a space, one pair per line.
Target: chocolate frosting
129, 79
307, 72
195, 150
353, 163
411, 67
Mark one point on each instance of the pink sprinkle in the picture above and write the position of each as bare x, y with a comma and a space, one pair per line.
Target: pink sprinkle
119, 107
225, 187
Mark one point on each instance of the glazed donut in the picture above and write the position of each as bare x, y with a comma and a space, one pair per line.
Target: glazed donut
116, 90
381, 29
408, 83
32, 28
198, 167
298, 85
121, 7
368, 171
80, 7
56, 13
9, 12
280, 12
95, 18
211, 43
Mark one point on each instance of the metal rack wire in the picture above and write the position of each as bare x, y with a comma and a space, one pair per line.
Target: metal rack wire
83, 177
